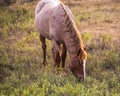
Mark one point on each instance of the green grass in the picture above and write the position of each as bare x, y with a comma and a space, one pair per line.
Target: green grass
21, 70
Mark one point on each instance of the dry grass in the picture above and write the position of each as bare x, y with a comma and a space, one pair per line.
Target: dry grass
21, 73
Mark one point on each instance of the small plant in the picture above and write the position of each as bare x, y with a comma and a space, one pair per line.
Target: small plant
21, 70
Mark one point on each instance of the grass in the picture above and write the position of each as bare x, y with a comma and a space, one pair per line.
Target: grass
21, 72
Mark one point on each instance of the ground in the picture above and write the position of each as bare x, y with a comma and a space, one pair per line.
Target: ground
21, 70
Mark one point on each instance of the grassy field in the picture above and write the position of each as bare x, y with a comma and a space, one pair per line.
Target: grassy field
21, 70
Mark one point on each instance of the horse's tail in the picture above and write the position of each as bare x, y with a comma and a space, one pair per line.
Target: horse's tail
71, 27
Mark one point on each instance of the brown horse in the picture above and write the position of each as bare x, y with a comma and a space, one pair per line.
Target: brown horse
55, 22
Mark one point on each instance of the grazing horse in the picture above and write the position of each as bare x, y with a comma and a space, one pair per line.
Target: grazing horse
55, 22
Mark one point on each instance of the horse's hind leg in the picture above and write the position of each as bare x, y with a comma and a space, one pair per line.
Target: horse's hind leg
42, 39
63, 55
56, 54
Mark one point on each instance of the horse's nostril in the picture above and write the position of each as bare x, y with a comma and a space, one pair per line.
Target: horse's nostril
81, 78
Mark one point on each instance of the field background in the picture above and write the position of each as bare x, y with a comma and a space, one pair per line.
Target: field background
21, 70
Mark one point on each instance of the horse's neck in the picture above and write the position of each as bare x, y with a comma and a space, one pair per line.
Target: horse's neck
71, 37
72, 42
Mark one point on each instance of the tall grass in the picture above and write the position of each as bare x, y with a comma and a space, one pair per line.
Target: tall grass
21, 70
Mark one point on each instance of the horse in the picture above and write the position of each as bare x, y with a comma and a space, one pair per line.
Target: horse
55, 21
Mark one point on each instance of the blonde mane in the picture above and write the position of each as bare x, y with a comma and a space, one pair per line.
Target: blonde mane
72, 32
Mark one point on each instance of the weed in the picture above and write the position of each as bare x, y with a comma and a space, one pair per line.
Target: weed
21, 70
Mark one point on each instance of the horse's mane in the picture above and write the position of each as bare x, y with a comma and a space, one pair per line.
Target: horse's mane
72, 30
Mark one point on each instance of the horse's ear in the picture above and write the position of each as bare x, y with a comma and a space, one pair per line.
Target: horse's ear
84, 48
78, 52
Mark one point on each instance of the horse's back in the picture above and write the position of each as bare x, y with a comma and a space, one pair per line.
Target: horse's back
49, 18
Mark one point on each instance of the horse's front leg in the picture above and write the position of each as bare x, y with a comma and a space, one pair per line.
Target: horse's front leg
56, 54
42, 39
63, 55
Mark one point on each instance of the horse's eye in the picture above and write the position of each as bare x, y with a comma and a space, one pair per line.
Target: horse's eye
80, 63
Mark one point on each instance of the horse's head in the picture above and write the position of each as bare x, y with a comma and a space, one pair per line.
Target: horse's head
77, 65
